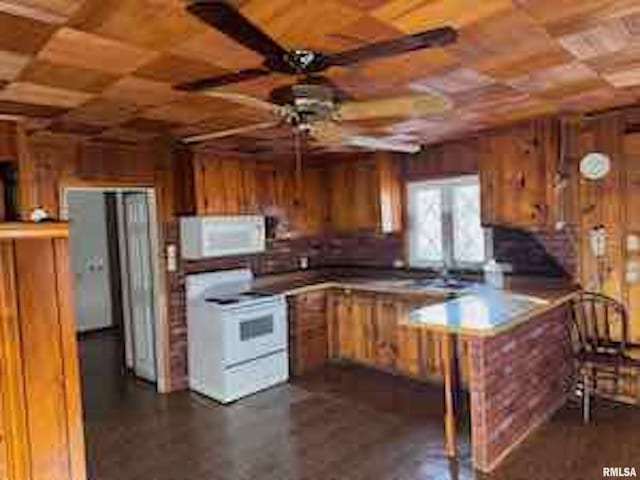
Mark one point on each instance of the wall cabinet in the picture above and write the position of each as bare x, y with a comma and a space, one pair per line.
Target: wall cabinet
41, 433
307, 331
366, 194
242, 186
517, 169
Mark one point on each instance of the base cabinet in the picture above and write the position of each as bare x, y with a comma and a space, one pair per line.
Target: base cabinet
370, 329
307, 332
41, 433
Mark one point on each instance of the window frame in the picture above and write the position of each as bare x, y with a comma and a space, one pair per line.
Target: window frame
449, 262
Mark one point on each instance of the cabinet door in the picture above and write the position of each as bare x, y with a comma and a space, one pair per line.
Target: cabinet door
354, 201
385, 334
365, 329
516, 167
308, 331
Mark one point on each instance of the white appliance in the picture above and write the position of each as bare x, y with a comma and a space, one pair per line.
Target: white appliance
217, 236
237, 339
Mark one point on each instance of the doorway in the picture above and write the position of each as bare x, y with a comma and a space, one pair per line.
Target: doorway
113, 250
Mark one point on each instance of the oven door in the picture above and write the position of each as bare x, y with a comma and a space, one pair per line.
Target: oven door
254, 332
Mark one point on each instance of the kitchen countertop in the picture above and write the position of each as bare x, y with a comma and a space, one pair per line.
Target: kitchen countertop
486, 311
369, 280
479, 311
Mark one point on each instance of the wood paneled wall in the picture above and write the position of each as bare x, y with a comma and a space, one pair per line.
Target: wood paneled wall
519, 167
48, 162
612, 203
7, 141
43, 437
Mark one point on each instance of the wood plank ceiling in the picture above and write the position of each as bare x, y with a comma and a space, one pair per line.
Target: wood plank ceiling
105, 67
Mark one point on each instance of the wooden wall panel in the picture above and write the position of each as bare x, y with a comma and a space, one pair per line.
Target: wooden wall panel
69, 349
600, 203
15, 442
42, 360
632, 206
48, 162
43, 436
444, 160
517, 170
8, 146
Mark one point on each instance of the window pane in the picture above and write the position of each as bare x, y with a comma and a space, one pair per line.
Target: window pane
428, 215
468, 235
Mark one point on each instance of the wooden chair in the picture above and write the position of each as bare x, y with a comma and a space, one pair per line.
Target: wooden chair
601, 350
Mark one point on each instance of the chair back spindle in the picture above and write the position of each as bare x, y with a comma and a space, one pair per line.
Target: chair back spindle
599, 324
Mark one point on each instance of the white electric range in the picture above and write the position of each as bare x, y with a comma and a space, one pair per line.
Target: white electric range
237, 338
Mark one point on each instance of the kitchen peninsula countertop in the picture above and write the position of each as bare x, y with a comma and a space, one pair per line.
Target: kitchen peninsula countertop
487, 311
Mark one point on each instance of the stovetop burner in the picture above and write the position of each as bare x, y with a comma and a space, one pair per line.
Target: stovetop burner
230, 300
222, 301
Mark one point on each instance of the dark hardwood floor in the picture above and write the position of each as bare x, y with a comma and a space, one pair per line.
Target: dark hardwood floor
342, 423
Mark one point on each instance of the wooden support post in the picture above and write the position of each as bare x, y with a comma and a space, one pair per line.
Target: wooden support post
449, 362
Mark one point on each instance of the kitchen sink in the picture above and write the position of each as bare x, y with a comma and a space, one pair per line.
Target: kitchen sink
445, 283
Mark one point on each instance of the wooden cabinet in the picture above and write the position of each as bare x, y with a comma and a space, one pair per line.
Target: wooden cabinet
41, 433
307, 331
366, 194
517, 168
364, 327
369, 328
227, 186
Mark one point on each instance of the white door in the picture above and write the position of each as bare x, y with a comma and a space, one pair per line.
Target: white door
89, 256
141, 290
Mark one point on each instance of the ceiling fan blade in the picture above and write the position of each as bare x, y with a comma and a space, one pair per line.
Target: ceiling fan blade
226, 79
375, 143
331, 134
249, 101
224, 17
230, 132
395, 107
437, 37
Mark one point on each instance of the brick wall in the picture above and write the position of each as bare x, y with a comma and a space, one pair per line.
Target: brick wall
517, 380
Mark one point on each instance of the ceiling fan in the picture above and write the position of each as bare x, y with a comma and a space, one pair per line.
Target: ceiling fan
313, 105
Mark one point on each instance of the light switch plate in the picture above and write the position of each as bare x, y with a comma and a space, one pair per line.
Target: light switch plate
172, 258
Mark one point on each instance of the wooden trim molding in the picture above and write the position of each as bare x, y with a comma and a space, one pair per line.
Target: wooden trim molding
26, 230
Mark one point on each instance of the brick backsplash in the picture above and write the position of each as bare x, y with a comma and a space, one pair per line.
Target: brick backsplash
536, 253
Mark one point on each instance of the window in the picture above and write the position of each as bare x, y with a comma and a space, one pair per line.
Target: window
444, 224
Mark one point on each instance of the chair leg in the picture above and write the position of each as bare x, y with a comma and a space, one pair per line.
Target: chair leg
586, 398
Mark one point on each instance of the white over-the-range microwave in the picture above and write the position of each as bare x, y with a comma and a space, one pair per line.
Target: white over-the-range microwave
222, 235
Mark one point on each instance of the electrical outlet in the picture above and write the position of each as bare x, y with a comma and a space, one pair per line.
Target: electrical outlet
304, 263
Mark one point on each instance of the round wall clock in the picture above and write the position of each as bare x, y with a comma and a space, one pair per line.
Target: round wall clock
595, 166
